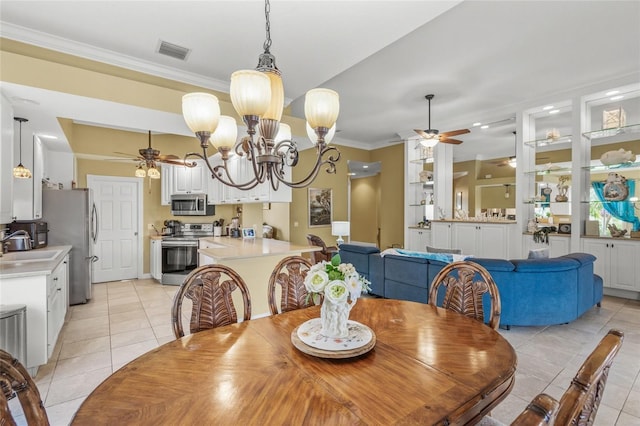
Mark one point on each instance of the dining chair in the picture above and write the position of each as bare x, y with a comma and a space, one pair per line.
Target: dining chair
325, 254
466, 283
289, 274
210, 289
541, 411
579, 404
16, 381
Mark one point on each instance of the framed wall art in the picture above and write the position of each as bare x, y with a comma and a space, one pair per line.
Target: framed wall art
320, 207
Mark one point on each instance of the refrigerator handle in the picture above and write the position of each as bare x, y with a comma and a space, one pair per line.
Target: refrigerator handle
94, 223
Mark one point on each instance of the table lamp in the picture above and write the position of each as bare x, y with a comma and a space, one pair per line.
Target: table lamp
340, 229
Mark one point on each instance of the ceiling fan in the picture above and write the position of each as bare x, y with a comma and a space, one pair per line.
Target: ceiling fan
149, 157
432, 136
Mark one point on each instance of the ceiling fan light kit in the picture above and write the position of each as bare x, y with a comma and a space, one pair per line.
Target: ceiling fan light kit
258, 97
430, 137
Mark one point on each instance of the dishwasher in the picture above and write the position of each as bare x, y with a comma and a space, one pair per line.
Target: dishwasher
13, 331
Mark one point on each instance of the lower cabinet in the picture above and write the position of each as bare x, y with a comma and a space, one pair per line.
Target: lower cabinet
558, 245
419, 239
47, 299
155, 259
617, 261
441, 234
490, 240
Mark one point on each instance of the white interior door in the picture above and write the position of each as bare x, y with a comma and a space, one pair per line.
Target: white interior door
117, 243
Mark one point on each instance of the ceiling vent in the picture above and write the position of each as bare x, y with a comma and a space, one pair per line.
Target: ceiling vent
173, 50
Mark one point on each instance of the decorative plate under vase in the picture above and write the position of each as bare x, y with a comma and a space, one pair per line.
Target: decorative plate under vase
308, 338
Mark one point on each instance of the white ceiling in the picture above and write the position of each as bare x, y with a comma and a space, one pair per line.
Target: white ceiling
484, 60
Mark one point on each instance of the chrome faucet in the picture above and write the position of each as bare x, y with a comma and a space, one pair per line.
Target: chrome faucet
4, 245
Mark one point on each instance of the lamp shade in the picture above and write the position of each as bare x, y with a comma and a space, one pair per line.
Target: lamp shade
140, 172
313, 137
429, 143
201, 112
512, 162
340, 229
321, 107
276, 103
226, 134
284, 133
153, 173
250, 92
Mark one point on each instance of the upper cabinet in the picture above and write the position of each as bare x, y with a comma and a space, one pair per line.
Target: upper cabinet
6, 161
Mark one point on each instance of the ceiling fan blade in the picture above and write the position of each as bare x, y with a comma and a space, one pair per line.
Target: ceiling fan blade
454, 133
126, 154
177, 162
167, 157
451, 141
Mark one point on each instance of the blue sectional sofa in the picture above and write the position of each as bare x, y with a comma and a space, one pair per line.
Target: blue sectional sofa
532, 291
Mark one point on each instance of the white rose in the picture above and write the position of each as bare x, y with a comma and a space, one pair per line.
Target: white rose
315, 281
354, 285
336, 292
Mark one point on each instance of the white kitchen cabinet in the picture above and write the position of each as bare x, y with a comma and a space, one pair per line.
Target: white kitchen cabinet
559, 245
419, 239
617, 261
166, 183
155, 259
482, 239
190, 180
27, 193
6, 161
46, 296
441, 234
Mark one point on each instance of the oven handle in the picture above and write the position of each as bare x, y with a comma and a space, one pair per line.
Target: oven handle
179, 244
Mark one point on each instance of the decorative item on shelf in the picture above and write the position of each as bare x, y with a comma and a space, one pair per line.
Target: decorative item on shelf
431, 199
425, 176
553, 135
532, 226
615, 188
341, 285
441, 214
615, 232
258, 97
564, 228
612, 158
613, 118
542, 235
20, 171
563, 188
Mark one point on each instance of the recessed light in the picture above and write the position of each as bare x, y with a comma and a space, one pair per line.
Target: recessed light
486, 126
547, 108
554, 111
365, 167
613, 92
48, 136
476, 124
351, 174
617, 98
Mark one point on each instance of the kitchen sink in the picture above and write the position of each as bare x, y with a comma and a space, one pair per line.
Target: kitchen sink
38, 255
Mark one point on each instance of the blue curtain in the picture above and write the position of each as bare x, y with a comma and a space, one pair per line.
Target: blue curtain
623, 210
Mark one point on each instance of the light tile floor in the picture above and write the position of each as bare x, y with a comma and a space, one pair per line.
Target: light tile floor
128, 318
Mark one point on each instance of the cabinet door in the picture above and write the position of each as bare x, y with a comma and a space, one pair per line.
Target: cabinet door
441, 234
56, 305
493, 241
624, 265
6, 162
38, 174
464, 236
198, 178
166, 184
419, 239
155, 259
600, 249
559, 246
181, 180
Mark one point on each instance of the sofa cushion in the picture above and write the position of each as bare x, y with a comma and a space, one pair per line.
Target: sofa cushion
542, 253
583, 258
356, 248
494, 264
542, 266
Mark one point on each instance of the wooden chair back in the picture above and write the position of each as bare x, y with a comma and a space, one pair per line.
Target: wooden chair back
210, 289
540, 412
289, 274
466, 283
325, 254
16, 381
580, 402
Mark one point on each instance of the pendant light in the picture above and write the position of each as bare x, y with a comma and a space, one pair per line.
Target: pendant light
20, 171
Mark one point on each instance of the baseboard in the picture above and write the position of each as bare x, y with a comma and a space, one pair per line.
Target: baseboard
625, 294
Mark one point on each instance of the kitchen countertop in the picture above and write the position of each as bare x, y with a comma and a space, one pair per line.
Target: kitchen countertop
499, 222
239, 248
32, 267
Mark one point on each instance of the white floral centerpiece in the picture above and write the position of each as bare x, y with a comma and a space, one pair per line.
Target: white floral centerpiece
341, 285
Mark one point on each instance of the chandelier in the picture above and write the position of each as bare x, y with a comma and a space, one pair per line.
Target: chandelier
20, 171
258, 97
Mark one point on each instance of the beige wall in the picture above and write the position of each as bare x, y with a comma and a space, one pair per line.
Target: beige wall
391, 194
365, 209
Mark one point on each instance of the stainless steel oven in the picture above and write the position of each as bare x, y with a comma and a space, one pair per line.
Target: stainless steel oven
180, 251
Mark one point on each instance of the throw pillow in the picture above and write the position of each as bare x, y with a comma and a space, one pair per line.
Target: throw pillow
542, 253
441, 250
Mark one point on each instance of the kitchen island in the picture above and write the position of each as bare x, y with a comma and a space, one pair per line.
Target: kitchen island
253, 259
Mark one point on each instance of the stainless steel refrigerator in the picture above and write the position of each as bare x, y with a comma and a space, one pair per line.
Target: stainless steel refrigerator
72, 219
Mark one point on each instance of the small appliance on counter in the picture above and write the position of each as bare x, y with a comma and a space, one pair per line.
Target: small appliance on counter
37, 230
234, 228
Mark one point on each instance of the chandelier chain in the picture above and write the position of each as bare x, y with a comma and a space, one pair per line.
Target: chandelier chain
267, 42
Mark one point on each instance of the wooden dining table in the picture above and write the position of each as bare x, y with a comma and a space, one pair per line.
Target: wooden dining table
428, 366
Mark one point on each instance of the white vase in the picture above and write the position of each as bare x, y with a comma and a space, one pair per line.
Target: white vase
334, 317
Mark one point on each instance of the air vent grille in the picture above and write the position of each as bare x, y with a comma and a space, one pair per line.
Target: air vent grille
173, 50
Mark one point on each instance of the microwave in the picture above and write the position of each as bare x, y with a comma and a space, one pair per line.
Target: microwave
191, 205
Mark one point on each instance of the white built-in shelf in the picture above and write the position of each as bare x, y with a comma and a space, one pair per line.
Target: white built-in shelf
565, 139
624, 132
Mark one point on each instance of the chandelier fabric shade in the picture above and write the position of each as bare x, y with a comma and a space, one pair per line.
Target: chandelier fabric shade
258, 97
